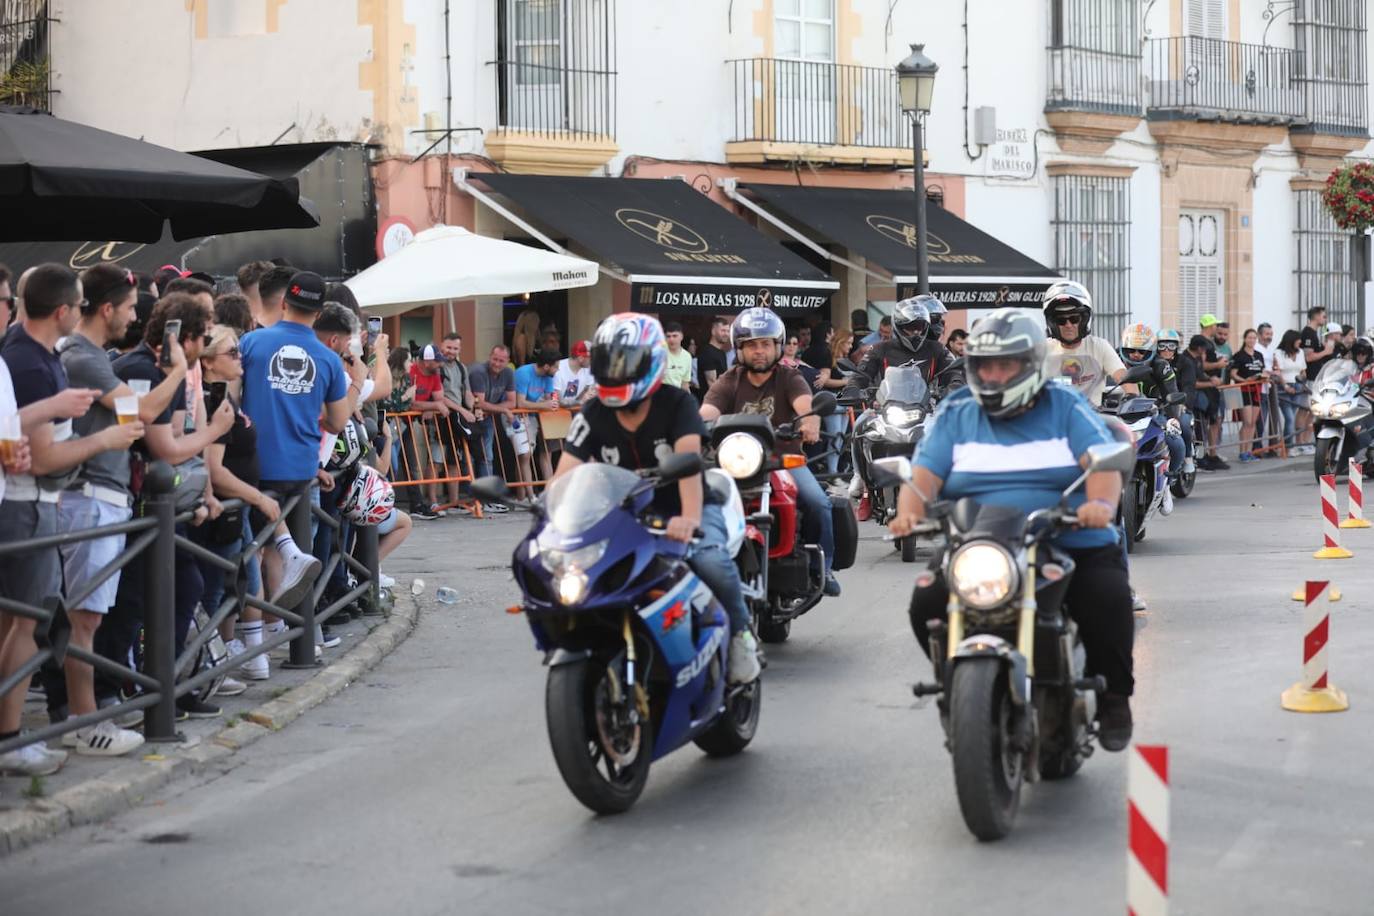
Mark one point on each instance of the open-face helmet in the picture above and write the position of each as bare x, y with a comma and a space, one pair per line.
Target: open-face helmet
1137, 344
1066, 300
758, 323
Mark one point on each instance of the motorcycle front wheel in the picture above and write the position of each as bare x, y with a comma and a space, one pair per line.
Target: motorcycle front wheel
736, 726
908, 549
1326, 459
603, 764
1182, 485
987, 770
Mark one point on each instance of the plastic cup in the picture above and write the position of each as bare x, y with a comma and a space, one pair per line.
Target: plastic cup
126, 408
11, 435
140, 386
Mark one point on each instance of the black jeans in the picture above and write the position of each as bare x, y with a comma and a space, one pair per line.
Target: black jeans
1099, 599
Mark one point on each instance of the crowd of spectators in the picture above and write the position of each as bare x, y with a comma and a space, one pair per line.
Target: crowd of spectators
267, 390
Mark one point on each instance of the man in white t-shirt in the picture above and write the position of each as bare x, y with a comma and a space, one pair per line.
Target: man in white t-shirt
1265, 348
573, 381
16, 458
1074, 354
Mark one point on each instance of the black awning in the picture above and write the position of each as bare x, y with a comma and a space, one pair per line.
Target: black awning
968, 267
683, 253
337, 176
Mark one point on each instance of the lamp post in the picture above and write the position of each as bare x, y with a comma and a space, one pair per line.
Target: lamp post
916, 83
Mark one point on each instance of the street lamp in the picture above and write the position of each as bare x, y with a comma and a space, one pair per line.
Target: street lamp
916, 85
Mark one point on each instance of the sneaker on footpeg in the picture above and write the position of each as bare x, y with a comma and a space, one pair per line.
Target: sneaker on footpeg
744, 658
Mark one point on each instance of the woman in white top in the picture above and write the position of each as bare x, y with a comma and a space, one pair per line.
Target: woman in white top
1291, 366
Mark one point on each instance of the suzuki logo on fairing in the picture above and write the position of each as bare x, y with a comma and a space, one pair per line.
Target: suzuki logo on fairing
703, 658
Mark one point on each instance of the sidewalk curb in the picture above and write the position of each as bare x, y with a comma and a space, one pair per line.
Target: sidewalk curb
126, 785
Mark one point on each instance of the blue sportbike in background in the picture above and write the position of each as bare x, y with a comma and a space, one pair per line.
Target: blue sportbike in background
634, 641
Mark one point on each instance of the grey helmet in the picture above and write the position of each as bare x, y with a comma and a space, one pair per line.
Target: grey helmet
937, 315
758, 323
1067, 298
1007, 333
911, 322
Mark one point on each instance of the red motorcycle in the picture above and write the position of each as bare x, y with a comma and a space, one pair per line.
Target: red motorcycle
776, 565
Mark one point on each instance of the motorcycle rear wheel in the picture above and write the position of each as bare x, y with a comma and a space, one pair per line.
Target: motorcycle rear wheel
987, 772
588, 770
735, 728
773, 633
908, 549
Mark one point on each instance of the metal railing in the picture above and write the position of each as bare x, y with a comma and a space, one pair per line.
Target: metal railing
25, 63
1331, 35
155, 546
1084, 79
1207, 77
817, 103
555, 75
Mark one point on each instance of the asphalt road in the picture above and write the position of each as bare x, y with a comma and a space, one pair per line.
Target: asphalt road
428, 787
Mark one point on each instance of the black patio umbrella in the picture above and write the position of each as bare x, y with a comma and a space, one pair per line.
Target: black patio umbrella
62, 181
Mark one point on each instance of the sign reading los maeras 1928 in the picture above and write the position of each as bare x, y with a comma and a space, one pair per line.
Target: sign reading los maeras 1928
665, 296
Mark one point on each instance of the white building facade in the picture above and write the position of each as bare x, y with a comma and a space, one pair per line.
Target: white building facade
1167, 153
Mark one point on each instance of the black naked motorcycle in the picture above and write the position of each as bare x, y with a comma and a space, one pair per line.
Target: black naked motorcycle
1014, 702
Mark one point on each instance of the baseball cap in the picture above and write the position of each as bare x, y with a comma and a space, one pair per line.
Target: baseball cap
306, 291
1333, 327
580, 349
429, 351
1207, 320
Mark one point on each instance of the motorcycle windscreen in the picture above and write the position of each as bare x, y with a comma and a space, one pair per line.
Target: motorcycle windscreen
578, 500
903, 385
1337, 373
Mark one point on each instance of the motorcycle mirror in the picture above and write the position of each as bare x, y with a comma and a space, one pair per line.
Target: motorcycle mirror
491, 489
1178, 397
679, 465
1111, 456
891, 472
823, 404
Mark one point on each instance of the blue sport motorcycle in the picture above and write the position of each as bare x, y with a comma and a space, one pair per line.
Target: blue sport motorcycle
1144, 488
635, 643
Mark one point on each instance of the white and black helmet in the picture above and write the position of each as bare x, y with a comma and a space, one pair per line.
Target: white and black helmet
1064, 299
911, 321
1007, 333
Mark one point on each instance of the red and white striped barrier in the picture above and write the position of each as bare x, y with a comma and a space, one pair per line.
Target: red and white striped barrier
1314, 693
1354, 517
1147, 806
1331, 523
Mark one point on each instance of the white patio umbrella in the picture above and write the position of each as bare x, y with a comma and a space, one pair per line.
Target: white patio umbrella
449, 262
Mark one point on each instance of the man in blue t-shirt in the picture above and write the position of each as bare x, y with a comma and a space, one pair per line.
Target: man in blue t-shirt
294, 387
1011, 439
534, 390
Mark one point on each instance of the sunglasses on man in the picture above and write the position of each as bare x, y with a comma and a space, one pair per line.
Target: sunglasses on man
1069, 319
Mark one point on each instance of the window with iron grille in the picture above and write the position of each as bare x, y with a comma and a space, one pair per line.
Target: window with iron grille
1330, 36
1094, 56
1092, 244
25, 65
556, 66
1323, 273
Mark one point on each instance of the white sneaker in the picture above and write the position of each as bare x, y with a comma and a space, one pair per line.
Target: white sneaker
856, 486
298, 572
30, 760
385, 581
256, 668
1167, 506
1189, 465
230, 687
104, 739
744, 658
234, 647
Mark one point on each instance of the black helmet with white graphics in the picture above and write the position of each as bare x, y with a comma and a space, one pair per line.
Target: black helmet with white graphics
1006, 334
911, 321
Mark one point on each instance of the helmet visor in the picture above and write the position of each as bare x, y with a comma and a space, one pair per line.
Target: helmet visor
916, 328
1133, 356
620, 364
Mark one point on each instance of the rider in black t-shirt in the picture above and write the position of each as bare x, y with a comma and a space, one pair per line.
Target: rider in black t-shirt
633, 422
1138, 349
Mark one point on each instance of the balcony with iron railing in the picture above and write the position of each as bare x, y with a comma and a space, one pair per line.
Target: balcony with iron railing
1090, 80
25, 65
1194, 78
785, 110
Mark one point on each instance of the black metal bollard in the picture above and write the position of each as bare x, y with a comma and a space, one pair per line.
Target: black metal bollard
365, 552
159, 603
303, 646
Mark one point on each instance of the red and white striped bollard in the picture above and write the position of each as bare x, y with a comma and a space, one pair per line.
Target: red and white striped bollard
1314, 693
1147, 807
1354, 513
1331, 523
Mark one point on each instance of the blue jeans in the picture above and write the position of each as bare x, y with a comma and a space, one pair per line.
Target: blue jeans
713, 564
486, 439
833, 427
818, 525
1288, 406
1176, 453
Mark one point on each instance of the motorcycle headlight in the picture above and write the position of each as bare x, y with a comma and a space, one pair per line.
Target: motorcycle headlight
902, 416
560, 561
983, 575
572, 587
740, 455
1339, 410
